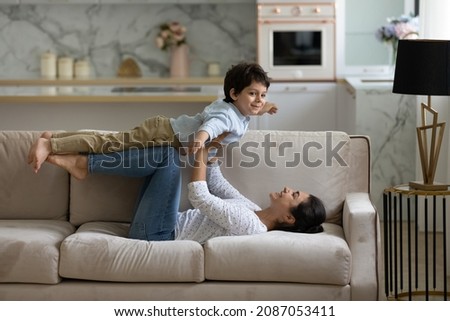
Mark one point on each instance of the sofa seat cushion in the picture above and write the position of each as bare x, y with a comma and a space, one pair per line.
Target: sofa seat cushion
101, 251
279, 256
30, 250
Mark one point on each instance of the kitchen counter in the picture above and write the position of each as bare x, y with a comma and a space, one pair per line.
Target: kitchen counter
366, 83
114, 90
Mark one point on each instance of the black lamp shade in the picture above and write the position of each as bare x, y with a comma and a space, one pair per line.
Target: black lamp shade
422, 67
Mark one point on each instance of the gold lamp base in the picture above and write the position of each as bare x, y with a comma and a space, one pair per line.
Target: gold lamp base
428, 187
429, 150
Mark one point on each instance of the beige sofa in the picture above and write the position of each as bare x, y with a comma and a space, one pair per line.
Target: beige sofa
63, 239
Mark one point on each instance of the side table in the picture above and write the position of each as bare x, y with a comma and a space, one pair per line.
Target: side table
413, 266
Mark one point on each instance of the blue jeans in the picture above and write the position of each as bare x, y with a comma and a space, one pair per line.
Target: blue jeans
156, 210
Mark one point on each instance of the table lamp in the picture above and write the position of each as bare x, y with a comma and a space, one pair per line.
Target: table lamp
423, 68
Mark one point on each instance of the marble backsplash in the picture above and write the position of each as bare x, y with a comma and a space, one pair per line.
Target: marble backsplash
108, 34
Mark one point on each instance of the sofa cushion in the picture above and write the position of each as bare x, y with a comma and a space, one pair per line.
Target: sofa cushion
278, 256
100, 251
30, 250
314, 162
24, 194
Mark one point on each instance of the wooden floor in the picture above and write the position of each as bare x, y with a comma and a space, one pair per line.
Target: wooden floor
404, 277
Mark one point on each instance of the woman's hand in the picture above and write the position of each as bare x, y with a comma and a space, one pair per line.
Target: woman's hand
199, 141
219, 138
216, 144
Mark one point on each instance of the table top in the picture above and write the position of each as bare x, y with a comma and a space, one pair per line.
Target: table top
405, 189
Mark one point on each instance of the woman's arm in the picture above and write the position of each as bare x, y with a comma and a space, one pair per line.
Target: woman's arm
217, 184
237, 217
199, 172
221, 187
234, 216
200, 164
211, 173
199, 141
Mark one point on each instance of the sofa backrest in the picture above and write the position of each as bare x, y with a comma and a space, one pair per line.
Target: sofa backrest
313, 162
24, 194
327, 164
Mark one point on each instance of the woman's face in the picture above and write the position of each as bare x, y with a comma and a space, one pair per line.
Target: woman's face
251, 99
287, 198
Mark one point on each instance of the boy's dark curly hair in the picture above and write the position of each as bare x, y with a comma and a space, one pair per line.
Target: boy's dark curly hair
242, 75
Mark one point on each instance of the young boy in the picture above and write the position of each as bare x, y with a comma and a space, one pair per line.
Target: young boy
245, 88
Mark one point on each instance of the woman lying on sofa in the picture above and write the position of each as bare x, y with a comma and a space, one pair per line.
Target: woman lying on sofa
219, 209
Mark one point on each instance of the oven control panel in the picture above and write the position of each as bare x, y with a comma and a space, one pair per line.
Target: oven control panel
296, 11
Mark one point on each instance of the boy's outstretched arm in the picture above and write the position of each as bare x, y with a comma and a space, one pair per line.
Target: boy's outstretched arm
269, 108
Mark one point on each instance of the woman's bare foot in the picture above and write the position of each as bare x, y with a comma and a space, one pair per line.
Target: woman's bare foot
39, 152
47, 135
76, 165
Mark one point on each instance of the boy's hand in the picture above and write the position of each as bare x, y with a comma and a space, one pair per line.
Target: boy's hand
269, 108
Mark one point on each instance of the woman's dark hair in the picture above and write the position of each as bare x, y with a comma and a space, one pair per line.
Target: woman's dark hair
309, 216
242, 75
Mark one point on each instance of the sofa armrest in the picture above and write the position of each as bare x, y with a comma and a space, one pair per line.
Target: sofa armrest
362, 231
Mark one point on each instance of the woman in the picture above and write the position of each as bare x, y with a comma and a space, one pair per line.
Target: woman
218, 208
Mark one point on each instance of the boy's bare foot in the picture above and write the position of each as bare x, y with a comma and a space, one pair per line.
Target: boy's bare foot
76, 165
39, 152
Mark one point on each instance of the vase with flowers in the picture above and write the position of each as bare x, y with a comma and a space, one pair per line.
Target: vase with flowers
172, 38
403, 27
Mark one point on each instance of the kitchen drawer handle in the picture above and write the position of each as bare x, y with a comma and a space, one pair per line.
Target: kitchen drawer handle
296, 89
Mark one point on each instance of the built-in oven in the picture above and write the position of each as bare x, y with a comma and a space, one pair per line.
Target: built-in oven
296, 39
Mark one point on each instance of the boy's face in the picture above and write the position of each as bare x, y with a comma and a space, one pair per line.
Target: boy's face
251, 99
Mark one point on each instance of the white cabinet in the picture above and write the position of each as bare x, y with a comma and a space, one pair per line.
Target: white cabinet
301, 106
